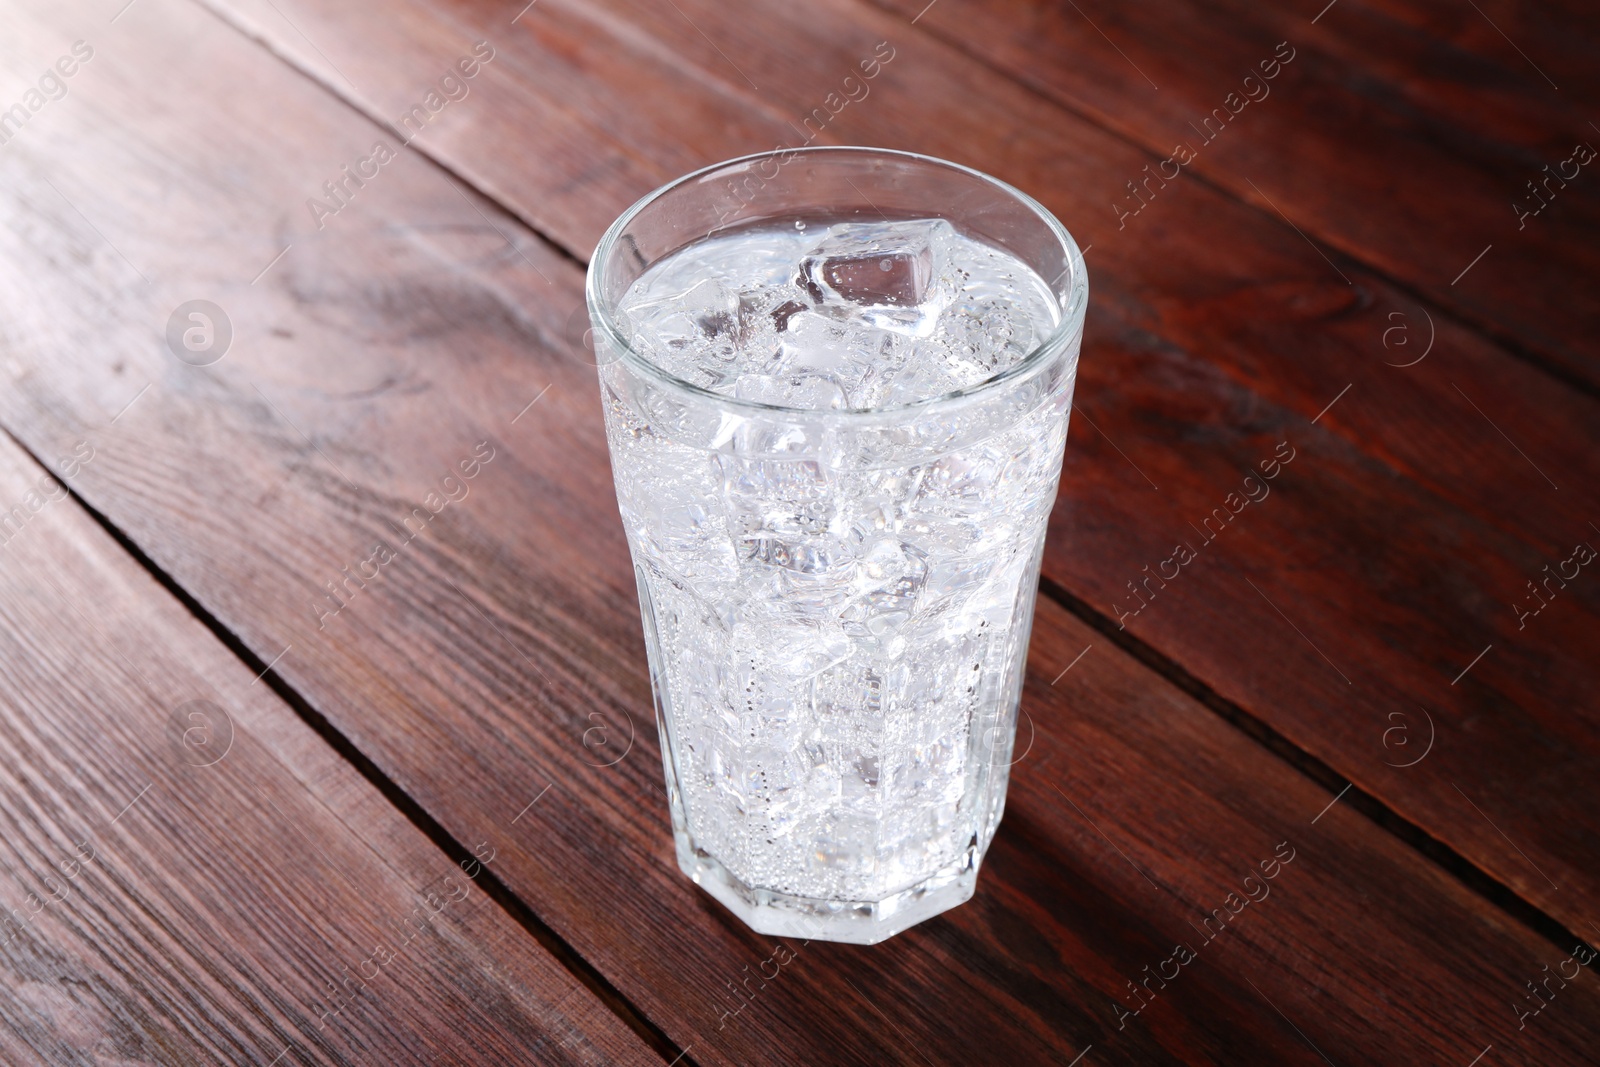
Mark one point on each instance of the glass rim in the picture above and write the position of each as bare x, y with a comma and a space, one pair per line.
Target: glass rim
1073, 304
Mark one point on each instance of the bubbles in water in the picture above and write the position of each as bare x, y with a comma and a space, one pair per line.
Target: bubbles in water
838, 637
858, 315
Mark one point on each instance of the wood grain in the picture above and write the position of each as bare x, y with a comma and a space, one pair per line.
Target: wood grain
1405, 146
189, 874
1197, 365
375, 357
1551, 41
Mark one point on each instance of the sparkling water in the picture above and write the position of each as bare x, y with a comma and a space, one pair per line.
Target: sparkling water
837, 594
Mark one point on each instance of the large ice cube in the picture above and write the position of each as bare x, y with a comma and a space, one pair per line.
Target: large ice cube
893, 275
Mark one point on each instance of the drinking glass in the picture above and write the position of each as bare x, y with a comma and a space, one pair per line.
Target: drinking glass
836, 600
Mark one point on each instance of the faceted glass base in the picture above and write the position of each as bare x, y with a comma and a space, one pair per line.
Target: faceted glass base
864, 922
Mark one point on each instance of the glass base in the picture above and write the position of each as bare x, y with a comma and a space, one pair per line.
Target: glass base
865, 922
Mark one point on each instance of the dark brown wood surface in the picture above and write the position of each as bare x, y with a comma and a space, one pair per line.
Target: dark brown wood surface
1408, 147
1223, 334
491, 682
189, 874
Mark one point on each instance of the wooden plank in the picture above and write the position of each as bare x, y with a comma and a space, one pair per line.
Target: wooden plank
1198, 366
1552, 41
1175, 749
1398, 180
1118, 760
1407, 147
189, 874
476, 669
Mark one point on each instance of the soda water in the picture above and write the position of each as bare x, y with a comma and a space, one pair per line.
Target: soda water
835, 499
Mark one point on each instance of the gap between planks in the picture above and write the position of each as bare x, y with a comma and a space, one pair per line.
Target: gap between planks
1315, 768
1311, 766
1502, 338
341, 95
514, 906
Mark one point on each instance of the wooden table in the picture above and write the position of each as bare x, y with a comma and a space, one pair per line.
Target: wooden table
1328, 795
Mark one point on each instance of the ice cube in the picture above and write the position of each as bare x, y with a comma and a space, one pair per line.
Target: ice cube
761, 480
892, 275
858, 785
892, 573
856, 354
784, 312
763, 318
846, 844
691, 540
968, 482
955, 578
688, 330
895, 278
802, 556
981, 337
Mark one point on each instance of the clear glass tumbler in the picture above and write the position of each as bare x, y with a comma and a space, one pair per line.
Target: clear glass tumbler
837, 599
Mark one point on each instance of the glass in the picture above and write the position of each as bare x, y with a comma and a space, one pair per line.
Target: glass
836, 599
